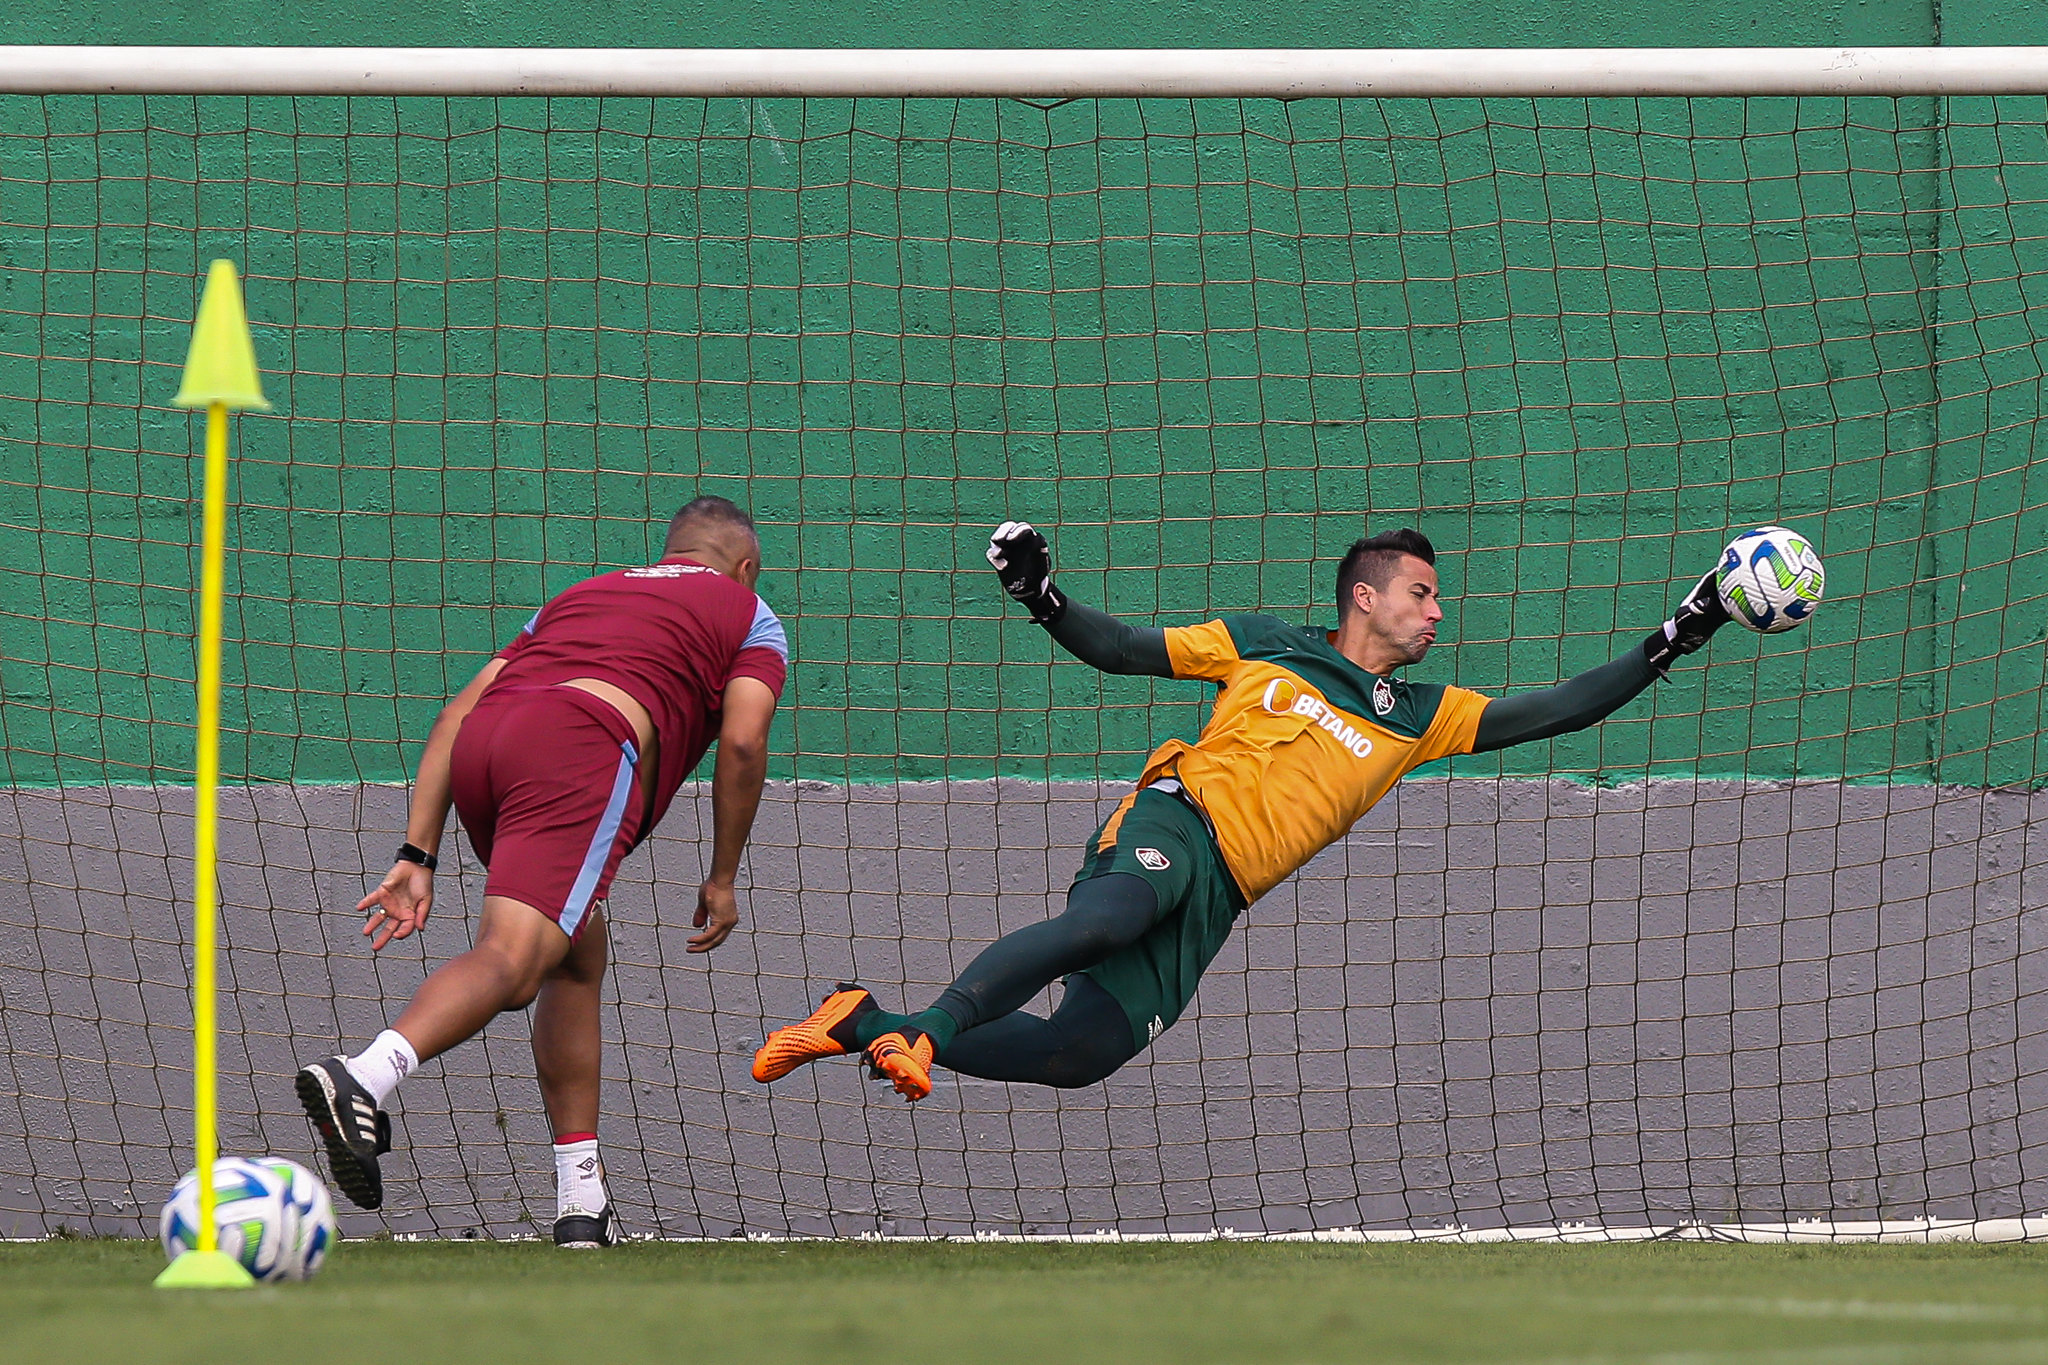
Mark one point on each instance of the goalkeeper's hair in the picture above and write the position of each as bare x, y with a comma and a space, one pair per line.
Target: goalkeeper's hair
1373, 559
713, 513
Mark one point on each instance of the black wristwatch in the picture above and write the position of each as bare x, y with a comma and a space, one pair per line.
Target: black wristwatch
413, 853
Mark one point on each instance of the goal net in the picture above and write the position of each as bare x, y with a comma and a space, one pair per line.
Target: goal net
1764, 953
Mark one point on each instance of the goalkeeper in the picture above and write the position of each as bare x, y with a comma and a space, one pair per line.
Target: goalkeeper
1310, 729
561, 756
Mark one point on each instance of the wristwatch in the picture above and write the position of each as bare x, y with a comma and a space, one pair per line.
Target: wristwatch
413, 853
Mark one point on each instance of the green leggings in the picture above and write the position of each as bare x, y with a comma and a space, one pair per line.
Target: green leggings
1089, 1035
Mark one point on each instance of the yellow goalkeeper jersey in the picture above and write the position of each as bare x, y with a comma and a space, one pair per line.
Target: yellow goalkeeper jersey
1302, 742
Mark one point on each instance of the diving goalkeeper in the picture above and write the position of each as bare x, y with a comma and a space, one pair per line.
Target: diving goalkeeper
1310, 729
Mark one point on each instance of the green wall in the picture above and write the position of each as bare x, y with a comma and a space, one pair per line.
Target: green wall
1576, 343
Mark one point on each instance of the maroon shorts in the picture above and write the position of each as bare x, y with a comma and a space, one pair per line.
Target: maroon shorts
546, 780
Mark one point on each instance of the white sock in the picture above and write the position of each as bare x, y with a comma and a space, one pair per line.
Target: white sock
379, 1067
579, 1179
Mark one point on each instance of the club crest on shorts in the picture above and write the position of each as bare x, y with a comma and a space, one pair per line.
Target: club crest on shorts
1155, 860
1382, 697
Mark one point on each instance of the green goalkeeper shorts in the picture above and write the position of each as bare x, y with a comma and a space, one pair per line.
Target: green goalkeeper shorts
1162, 839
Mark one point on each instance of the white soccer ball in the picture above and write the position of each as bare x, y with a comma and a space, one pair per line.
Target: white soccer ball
270, 1214
307, 1197
1770, 579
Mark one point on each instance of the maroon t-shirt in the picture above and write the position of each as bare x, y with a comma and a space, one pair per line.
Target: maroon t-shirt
671, 636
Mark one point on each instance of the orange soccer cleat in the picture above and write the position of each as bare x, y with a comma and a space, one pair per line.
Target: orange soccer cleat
829, 1032
905, 1057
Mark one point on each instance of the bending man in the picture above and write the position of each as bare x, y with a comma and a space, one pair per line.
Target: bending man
561, 756
1310, 729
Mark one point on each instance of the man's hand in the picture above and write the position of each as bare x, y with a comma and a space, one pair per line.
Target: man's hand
717, 912
735, 797
1023, 561
1690, 627
398, 907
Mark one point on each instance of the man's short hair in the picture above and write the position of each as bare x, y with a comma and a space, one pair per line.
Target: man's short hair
1373, 559
710, 511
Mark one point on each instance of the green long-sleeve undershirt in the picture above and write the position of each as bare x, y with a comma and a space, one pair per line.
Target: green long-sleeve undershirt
1573, 704
1113, 646
1102, 641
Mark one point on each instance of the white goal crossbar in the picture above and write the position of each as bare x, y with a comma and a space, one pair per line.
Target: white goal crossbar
1047, 73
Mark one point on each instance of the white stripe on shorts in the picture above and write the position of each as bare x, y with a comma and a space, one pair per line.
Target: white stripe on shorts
601, 842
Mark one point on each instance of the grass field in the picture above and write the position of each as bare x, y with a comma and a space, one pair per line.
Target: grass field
731, 1303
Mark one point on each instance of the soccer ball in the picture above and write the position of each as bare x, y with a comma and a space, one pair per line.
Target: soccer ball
1770, 579
270, 1214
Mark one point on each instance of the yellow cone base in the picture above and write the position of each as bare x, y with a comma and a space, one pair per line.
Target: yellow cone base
205, 1270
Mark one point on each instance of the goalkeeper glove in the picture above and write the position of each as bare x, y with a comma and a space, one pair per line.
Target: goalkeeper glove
1695, 621
1023, 561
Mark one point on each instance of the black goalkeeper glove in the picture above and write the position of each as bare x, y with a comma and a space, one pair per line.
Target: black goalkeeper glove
1691, 626
1023, 561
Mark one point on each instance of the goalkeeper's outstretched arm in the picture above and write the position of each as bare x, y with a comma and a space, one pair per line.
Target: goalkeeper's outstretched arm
1599, 692
1023, 561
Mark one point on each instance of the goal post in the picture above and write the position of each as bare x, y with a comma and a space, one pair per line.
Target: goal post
1026, 73
1758, 957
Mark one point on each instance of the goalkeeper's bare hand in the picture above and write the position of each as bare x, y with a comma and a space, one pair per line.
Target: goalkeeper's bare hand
398, 907
1023, 562
1690, 627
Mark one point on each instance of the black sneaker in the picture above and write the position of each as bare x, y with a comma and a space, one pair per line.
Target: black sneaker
355, 1130
580, 1231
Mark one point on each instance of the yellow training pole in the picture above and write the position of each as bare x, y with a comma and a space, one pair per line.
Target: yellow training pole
220, 371
206, 828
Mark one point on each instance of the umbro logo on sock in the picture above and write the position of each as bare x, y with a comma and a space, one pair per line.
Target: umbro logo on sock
588, 1165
